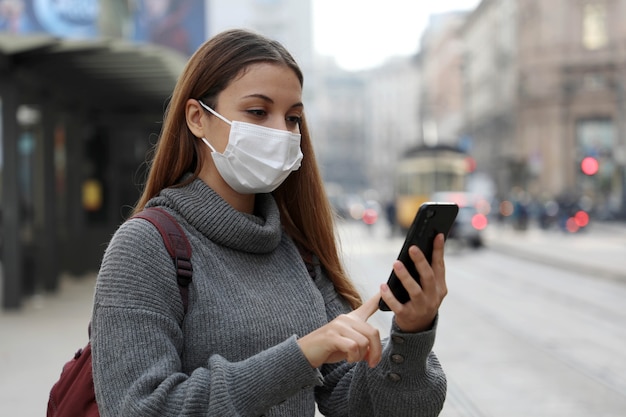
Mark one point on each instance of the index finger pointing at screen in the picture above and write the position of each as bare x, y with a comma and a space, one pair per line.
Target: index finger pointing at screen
366, 310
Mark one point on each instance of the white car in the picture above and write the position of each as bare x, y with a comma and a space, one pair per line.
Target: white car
468, 227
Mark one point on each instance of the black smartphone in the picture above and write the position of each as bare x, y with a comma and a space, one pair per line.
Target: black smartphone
431, 219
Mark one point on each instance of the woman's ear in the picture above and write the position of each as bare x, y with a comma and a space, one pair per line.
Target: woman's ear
193, 116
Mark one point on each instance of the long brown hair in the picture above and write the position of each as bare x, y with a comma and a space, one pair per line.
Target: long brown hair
305, 210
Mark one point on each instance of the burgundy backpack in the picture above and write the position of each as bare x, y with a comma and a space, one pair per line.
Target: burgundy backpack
73, 394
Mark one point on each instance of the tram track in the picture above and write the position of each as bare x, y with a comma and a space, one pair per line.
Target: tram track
562, 303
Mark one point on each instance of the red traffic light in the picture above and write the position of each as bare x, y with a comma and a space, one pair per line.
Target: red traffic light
589, 165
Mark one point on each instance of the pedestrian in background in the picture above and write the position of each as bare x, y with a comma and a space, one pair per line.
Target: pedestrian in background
274, 325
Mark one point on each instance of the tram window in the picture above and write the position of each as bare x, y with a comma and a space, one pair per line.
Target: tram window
444, 181
424, 175
402, 185
421, 184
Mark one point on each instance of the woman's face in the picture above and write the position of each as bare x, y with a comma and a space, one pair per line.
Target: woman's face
265, 94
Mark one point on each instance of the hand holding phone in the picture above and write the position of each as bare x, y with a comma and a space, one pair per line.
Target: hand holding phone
430, 220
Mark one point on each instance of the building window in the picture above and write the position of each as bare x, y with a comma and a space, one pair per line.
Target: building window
594, 32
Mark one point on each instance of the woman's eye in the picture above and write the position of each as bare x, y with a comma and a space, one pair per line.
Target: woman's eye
257, 112
294, 119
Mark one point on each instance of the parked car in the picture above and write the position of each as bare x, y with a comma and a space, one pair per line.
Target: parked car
471, 221
469, 226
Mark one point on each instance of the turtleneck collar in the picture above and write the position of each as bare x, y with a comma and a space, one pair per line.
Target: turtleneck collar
212, 216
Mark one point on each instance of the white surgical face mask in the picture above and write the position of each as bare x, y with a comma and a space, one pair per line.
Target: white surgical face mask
257, 159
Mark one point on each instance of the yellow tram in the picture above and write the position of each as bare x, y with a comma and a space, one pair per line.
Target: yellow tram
423, 171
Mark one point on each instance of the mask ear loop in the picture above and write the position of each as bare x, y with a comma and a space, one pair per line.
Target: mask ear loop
215, 113
208, 144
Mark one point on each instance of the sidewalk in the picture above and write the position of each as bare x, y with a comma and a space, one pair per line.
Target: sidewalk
36, 341
599, 251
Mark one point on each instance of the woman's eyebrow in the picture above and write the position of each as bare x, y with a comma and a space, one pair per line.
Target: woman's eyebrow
261, 96
269, 100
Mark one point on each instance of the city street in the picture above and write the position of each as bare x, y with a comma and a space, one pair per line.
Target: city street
519, 335
521, 338
515, 110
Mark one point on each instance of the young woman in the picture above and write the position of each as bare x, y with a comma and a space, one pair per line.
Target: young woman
273, 324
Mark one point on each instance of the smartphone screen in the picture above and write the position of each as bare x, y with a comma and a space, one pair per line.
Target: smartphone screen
430, 220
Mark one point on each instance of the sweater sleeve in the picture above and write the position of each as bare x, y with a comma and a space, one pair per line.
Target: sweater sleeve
409, 380
137, 343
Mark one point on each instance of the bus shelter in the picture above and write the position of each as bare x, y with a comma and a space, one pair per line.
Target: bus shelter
77, 120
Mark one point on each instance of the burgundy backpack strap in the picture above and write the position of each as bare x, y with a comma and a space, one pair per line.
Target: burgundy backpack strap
177, 246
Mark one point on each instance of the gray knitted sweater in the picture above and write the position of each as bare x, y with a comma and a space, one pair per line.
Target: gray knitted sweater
234, 352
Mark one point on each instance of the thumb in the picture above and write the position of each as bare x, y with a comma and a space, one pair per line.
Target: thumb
367, 309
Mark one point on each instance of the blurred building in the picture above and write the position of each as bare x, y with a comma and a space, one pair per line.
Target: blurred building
441, 55
544, 89
489, 73
363, 122
530, 89
392, 123
340, 129
570, 99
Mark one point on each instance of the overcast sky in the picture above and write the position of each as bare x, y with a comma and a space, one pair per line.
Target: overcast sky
362, 34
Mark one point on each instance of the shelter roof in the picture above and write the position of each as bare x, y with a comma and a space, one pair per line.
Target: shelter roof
110, 75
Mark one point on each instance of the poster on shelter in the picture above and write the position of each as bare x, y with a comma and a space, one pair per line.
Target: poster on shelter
63, 18
177, 24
